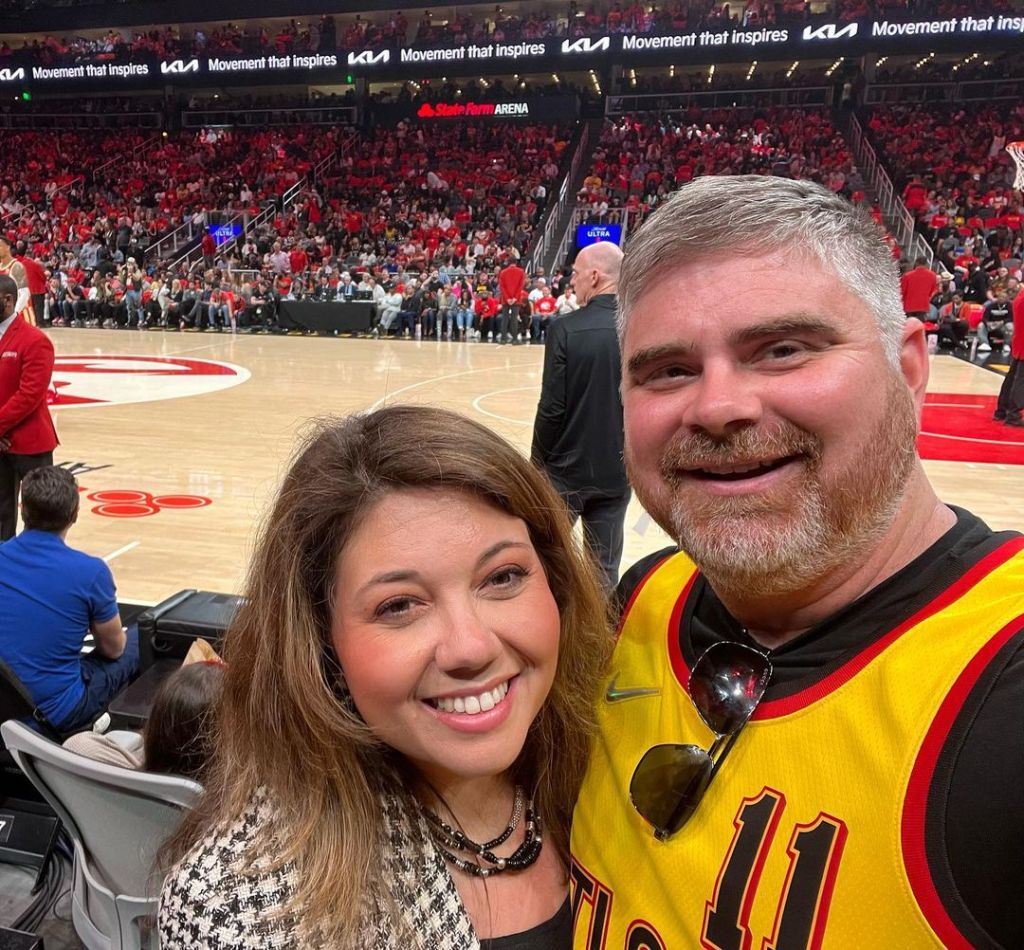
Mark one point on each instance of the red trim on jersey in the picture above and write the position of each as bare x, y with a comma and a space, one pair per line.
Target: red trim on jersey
636, 592
675, 650
915, 805
770, 709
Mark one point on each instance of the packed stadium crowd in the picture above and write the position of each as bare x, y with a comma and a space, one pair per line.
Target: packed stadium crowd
639, 161
402, 202
127, 190
956, 178
456, 202
422, 229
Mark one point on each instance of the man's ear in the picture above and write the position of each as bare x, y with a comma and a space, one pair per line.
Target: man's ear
914, 362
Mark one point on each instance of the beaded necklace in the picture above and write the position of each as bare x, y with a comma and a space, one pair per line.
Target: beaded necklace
449, 840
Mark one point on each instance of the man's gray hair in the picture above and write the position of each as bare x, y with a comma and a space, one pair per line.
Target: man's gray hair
751, 215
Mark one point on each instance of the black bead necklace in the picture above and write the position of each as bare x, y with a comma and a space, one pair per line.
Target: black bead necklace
450, 840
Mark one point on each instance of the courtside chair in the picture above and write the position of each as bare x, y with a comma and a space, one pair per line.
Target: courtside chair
117, 819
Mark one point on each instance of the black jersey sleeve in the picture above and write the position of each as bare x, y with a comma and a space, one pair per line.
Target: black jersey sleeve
975, 824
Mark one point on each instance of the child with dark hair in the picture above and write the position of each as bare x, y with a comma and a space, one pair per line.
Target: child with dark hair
176, 739
177, 736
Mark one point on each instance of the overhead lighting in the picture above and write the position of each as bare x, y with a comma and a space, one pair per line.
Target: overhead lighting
792, 69
834, 66
672, 71
750, 72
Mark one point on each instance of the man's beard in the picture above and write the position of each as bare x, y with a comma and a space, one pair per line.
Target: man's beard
777, 542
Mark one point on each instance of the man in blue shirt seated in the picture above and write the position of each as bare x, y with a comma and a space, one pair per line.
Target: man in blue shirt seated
51, 596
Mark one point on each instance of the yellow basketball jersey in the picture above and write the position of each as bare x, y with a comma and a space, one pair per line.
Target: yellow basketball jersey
812, 833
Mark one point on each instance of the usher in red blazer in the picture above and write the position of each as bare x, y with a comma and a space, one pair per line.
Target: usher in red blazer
26, 365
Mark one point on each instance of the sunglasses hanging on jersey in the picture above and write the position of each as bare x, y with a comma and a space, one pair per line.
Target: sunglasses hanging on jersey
725, 686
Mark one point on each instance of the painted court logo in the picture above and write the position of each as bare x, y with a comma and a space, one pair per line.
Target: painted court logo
87, 380
957, 427
140, 504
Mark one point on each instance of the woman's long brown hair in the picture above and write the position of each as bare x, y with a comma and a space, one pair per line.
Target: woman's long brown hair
285, 724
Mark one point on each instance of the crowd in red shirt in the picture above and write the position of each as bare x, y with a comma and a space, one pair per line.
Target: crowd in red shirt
423, 195
64, 187
956, 177
639, 161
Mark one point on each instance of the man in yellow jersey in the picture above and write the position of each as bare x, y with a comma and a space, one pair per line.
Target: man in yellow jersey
855, 643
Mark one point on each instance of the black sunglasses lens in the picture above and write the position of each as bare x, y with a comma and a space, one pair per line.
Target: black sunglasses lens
668, 784
727, 683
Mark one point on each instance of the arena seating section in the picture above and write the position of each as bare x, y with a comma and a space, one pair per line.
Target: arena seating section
639, 160
84, 182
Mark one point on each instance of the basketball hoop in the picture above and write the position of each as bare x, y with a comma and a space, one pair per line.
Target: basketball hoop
1016, 150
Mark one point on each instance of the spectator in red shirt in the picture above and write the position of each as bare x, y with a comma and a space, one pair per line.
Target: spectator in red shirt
209, 246
511, 283
917, 288
544, 308
35, 276
486, 309
298, 260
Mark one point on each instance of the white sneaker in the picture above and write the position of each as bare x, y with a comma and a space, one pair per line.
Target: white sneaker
102, 724
984, 348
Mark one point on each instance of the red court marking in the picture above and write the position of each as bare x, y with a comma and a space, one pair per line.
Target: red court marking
960, 428
126, 503
55, 396
117, 495
175, 366
125, 510
181, 501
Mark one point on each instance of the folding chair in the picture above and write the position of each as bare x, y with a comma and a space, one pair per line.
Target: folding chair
117, 819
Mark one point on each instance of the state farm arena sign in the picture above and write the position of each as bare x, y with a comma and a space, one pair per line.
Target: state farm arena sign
109, 380
485, 110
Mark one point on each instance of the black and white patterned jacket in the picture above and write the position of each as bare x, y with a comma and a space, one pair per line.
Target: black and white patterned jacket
210, 901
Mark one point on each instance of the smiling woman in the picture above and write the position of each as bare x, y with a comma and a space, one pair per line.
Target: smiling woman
407, 708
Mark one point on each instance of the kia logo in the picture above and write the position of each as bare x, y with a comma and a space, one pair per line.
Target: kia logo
586, 45
180, 66
369, 58
11, 75
830, 31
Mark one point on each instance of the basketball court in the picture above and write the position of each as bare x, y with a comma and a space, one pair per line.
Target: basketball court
179, 440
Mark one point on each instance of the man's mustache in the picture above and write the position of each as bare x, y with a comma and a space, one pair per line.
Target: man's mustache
748, 446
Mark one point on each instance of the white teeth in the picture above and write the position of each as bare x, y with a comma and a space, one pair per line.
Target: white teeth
736, 469
471, 705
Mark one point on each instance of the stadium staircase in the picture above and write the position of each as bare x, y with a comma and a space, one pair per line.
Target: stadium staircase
556, 226
191, 234
880, 190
